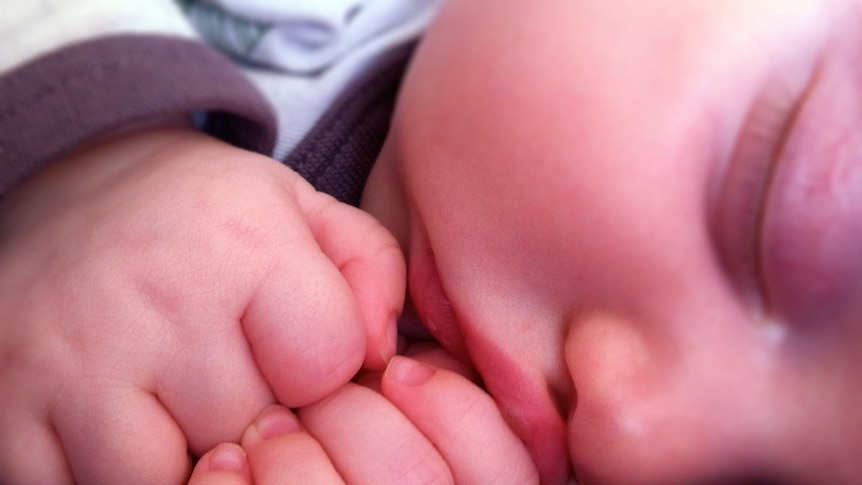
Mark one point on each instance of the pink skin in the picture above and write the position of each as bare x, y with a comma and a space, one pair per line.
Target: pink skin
426, 423
155, 293
642, 222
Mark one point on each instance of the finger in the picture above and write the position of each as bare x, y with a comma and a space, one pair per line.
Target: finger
302, 321
226, 464
213, 388
429, 353
281, 452
371, 262
335, 284
304, 327
120, 435
370, 441
432, 354
30, 451
461, 420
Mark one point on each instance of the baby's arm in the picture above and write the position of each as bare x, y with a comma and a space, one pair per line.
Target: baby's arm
159, 289
431, 425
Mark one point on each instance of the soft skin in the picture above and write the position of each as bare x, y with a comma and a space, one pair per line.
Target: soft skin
156, 293
429, 425
642, 222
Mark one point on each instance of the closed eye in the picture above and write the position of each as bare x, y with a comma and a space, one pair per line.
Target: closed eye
811, 246
744, 191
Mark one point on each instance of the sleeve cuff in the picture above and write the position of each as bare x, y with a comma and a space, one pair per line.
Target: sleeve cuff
69, 97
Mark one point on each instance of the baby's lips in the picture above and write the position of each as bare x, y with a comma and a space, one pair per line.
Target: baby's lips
432, 304
527, 405
534, 417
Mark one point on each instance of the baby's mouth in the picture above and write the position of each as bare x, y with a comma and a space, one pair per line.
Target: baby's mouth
533, 410
432, 304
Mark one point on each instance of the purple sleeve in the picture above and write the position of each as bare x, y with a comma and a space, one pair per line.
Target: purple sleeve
62, 100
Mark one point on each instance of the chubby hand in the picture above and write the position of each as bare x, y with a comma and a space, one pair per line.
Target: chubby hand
159, 289
430, 425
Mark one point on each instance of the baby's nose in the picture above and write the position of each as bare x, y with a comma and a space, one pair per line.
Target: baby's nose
652, 410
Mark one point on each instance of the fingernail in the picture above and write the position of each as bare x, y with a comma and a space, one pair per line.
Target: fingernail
276, 421
408, 371
227, 457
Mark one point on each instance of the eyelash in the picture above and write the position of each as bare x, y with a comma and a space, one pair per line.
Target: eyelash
745, 193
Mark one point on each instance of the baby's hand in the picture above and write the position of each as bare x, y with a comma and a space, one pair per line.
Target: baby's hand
431, 425
160, 289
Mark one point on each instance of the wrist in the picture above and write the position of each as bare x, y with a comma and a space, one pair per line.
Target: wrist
90, 168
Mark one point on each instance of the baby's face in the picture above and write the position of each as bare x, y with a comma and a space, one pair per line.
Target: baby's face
643, 223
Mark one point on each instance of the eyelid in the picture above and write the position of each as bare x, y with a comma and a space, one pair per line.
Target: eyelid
745, 189
812, 224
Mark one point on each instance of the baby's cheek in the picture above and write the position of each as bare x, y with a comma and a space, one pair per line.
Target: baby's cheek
812, 260
812, 223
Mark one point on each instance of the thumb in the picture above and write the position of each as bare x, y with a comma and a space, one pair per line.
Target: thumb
462, 422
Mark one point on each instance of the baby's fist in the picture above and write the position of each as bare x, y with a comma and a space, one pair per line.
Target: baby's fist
159, 289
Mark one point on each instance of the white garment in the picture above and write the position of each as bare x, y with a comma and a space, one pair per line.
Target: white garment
303, 53
33, 28
300, 53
